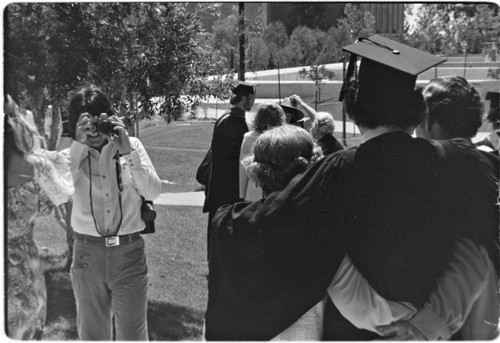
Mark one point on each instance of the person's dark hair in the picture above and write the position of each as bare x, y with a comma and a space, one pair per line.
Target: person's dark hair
235, 99
390, 111
455, 105
91, 100
279, 155
268, 115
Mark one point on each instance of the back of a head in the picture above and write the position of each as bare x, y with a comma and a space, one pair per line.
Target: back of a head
268, 115
388, 110
241, 90
279, 155
455, 105
88, 100
383, 92
324, 122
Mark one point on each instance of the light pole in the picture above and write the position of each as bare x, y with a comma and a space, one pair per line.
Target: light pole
241, 73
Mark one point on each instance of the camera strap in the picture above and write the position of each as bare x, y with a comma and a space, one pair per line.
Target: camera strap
116, 159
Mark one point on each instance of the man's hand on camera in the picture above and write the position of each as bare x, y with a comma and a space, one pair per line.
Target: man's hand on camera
119, 137
84, 127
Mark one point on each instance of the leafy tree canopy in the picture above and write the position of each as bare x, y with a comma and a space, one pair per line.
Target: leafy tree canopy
135, 52
450, 28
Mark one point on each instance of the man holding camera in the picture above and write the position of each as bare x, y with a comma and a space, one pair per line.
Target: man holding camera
112, 173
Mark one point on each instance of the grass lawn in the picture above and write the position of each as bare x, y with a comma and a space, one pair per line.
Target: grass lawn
177, 265
176, 150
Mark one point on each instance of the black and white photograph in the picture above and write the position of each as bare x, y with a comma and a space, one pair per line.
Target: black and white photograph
251, 171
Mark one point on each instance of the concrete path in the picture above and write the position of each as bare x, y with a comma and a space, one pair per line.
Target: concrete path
181, 199
197, 198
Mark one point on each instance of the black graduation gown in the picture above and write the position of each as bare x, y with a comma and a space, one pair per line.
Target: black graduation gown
272, 260
392, 209
329, 144
475, 201
223, 187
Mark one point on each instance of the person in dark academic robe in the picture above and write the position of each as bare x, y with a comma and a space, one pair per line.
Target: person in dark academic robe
264, 277
384, 204
454, 114
223, 186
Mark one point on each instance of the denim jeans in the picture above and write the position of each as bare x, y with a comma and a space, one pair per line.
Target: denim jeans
110, 282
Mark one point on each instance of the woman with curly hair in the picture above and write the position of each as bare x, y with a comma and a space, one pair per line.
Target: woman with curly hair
36, 180
279, 156
236, 297
454, 109
267, 116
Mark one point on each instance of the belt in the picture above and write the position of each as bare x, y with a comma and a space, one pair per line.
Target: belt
110, 241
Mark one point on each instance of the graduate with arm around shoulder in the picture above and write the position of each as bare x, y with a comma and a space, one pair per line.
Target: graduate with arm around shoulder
384, 204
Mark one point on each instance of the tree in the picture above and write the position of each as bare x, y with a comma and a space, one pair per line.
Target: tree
306, 44
449, 28
226, 34
318, 74
336, 38
135, 52
166, 58
275, 38
286, 57
225, 38
357, 24
307, 14
258, 54
426, 34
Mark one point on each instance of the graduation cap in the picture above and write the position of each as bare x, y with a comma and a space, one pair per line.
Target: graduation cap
244, 89
388, 68
297, 115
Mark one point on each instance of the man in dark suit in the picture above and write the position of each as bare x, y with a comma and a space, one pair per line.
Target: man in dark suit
223, 187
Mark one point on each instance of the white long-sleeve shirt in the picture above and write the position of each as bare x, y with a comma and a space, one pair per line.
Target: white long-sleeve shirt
96, 184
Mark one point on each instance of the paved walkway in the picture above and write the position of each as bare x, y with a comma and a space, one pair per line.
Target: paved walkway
197, 198
181, 199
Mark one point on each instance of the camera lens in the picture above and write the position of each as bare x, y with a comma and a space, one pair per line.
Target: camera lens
105, 127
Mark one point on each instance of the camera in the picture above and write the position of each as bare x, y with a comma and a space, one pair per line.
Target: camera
148, 214
105, 127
